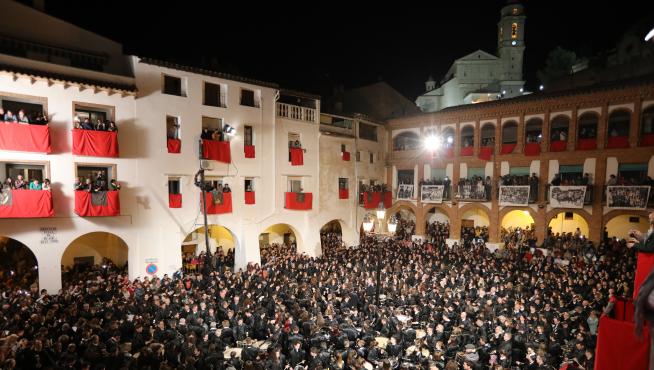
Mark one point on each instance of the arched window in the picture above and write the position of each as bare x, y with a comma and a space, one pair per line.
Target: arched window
488, 135
647, 127
534, 130
407, 140
467, 140
509, 136
559, 133
587, 131
618, 134
448, 137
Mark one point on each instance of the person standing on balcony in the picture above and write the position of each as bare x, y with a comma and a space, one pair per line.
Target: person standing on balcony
644, 244
22, 118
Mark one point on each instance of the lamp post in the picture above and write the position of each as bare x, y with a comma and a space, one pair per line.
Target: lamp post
368, 224
201, 183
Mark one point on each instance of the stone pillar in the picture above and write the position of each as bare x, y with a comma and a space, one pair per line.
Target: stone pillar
477, 139
634, 127
572, 130
520, 134
545, 143
455, 222
597, 218
603, 126
494, 223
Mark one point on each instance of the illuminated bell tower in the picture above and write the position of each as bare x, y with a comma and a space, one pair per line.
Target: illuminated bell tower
511, 42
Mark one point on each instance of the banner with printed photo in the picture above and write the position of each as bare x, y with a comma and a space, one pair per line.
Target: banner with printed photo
627, 197
567, 196
405, 192
514, 196
431, 193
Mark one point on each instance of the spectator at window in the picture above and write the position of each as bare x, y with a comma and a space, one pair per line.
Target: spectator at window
206, 134
563, 136
88, 185
226, 188
78, 185
22, 118
115, 185
86, 124
216, 135
8, 184
46, 185
2, 114
556, 181
41, 119
612, 181
20, 183
614, 132
112, 127
77, 123
101, 125
34, 185
10, 117
296, 144
100, 185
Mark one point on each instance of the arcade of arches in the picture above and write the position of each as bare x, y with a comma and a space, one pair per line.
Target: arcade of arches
219, 237
18, 265
569, 222
90, 249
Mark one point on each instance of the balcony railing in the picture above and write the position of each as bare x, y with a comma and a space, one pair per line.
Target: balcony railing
634, 191
296, 112
588, 198
474, 193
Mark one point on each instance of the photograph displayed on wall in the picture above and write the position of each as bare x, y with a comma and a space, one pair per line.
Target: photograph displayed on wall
514, 195
405, 192
567, 196
431, 193
628, 197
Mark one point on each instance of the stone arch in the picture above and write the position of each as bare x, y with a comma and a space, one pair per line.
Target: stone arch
401, 205
446, 210
587, 125
487, 134
612, 215
406, 140
219, 236
277, 234
533, 130
18, 263
585, 216
474, 207
619, 122
507, 210
92, 248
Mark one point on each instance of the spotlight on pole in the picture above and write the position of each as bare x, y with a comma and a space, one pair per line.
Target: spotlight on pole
650, 35
432, 143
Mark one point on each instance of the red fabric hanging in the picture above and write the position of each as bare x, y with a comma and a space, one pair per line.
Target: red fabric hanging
558, 146
297, 156
388, 199
84, 206
293, 203
617, 345
485, 152
175, 200
346, 156
249, 151
216, 150
449, 152
644, 266
215, 208
25, 138
468, 150
587, 144
28, 204
174, 145
95, 143
507, 148
371, 202
249, 197
617, 142
343, 194
532, 149
647, 140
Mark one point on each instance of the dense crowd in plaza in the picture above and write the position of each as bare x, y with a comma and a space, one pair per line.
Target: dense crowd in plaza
463, 307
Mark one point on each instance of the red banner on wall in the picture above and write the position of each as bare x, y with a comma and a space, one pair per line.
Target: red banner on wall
372, 201
507, 148
468, 150
297, 156
175, 200
249, 151
647, 140
174, 145
485, 152
449, 152
26, 204
558, 146
532, 149
294, 201
346, 156
102, 203
95, 143
617, 142
587, 144
249, 197
343, 194
218, 203
216, 150
25, 138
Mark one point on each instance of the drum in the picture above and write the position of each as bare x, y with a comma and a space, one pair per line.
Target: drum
229, 350
382, 342
420, 333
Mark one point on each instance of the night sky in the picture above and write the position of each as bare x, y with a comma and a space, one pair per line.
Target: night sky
313, 46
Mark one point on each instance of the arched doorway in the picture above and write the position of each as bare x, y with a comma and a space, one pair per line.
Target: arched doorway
437, 225
514, 224
331, 235
569, 222
406, 223
474, 224
618, 227
277, 240
222, 245
18, 265
96, 250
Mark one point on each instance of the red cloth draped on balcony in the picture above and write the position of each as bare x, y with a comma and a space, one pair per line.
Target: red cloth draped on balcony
532, 149
297, 156
174, 200
617, 345
468, 150
558, 146
449, 152
216, 150
371, 199
343, 194
485, 152
617, 142
95, 143
507, 148
346, 156
647, 140
218, 202
249, 197
26, 204
174, 145
101, 203
24, 138
249, 151
587, 144
644, 266
299, 201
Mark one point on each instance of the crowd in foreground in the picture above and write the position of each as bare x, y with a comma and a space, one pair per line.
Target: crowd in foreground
439, 308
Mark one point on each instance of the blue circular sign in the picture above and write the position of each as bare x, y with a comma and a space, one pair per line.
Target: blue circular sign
151, 269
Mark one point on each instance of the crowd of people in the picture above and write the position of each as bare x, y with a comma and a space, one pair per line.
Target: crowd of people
455, 308
98, 125
522, 180
21, 184
94, 184
472, 236
438, 232
33, 118
211, 134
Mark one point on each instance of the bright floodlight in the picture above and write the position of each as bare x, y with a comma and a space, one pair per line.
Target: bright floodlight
650, 35
450, 139
432, 142
367, 223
